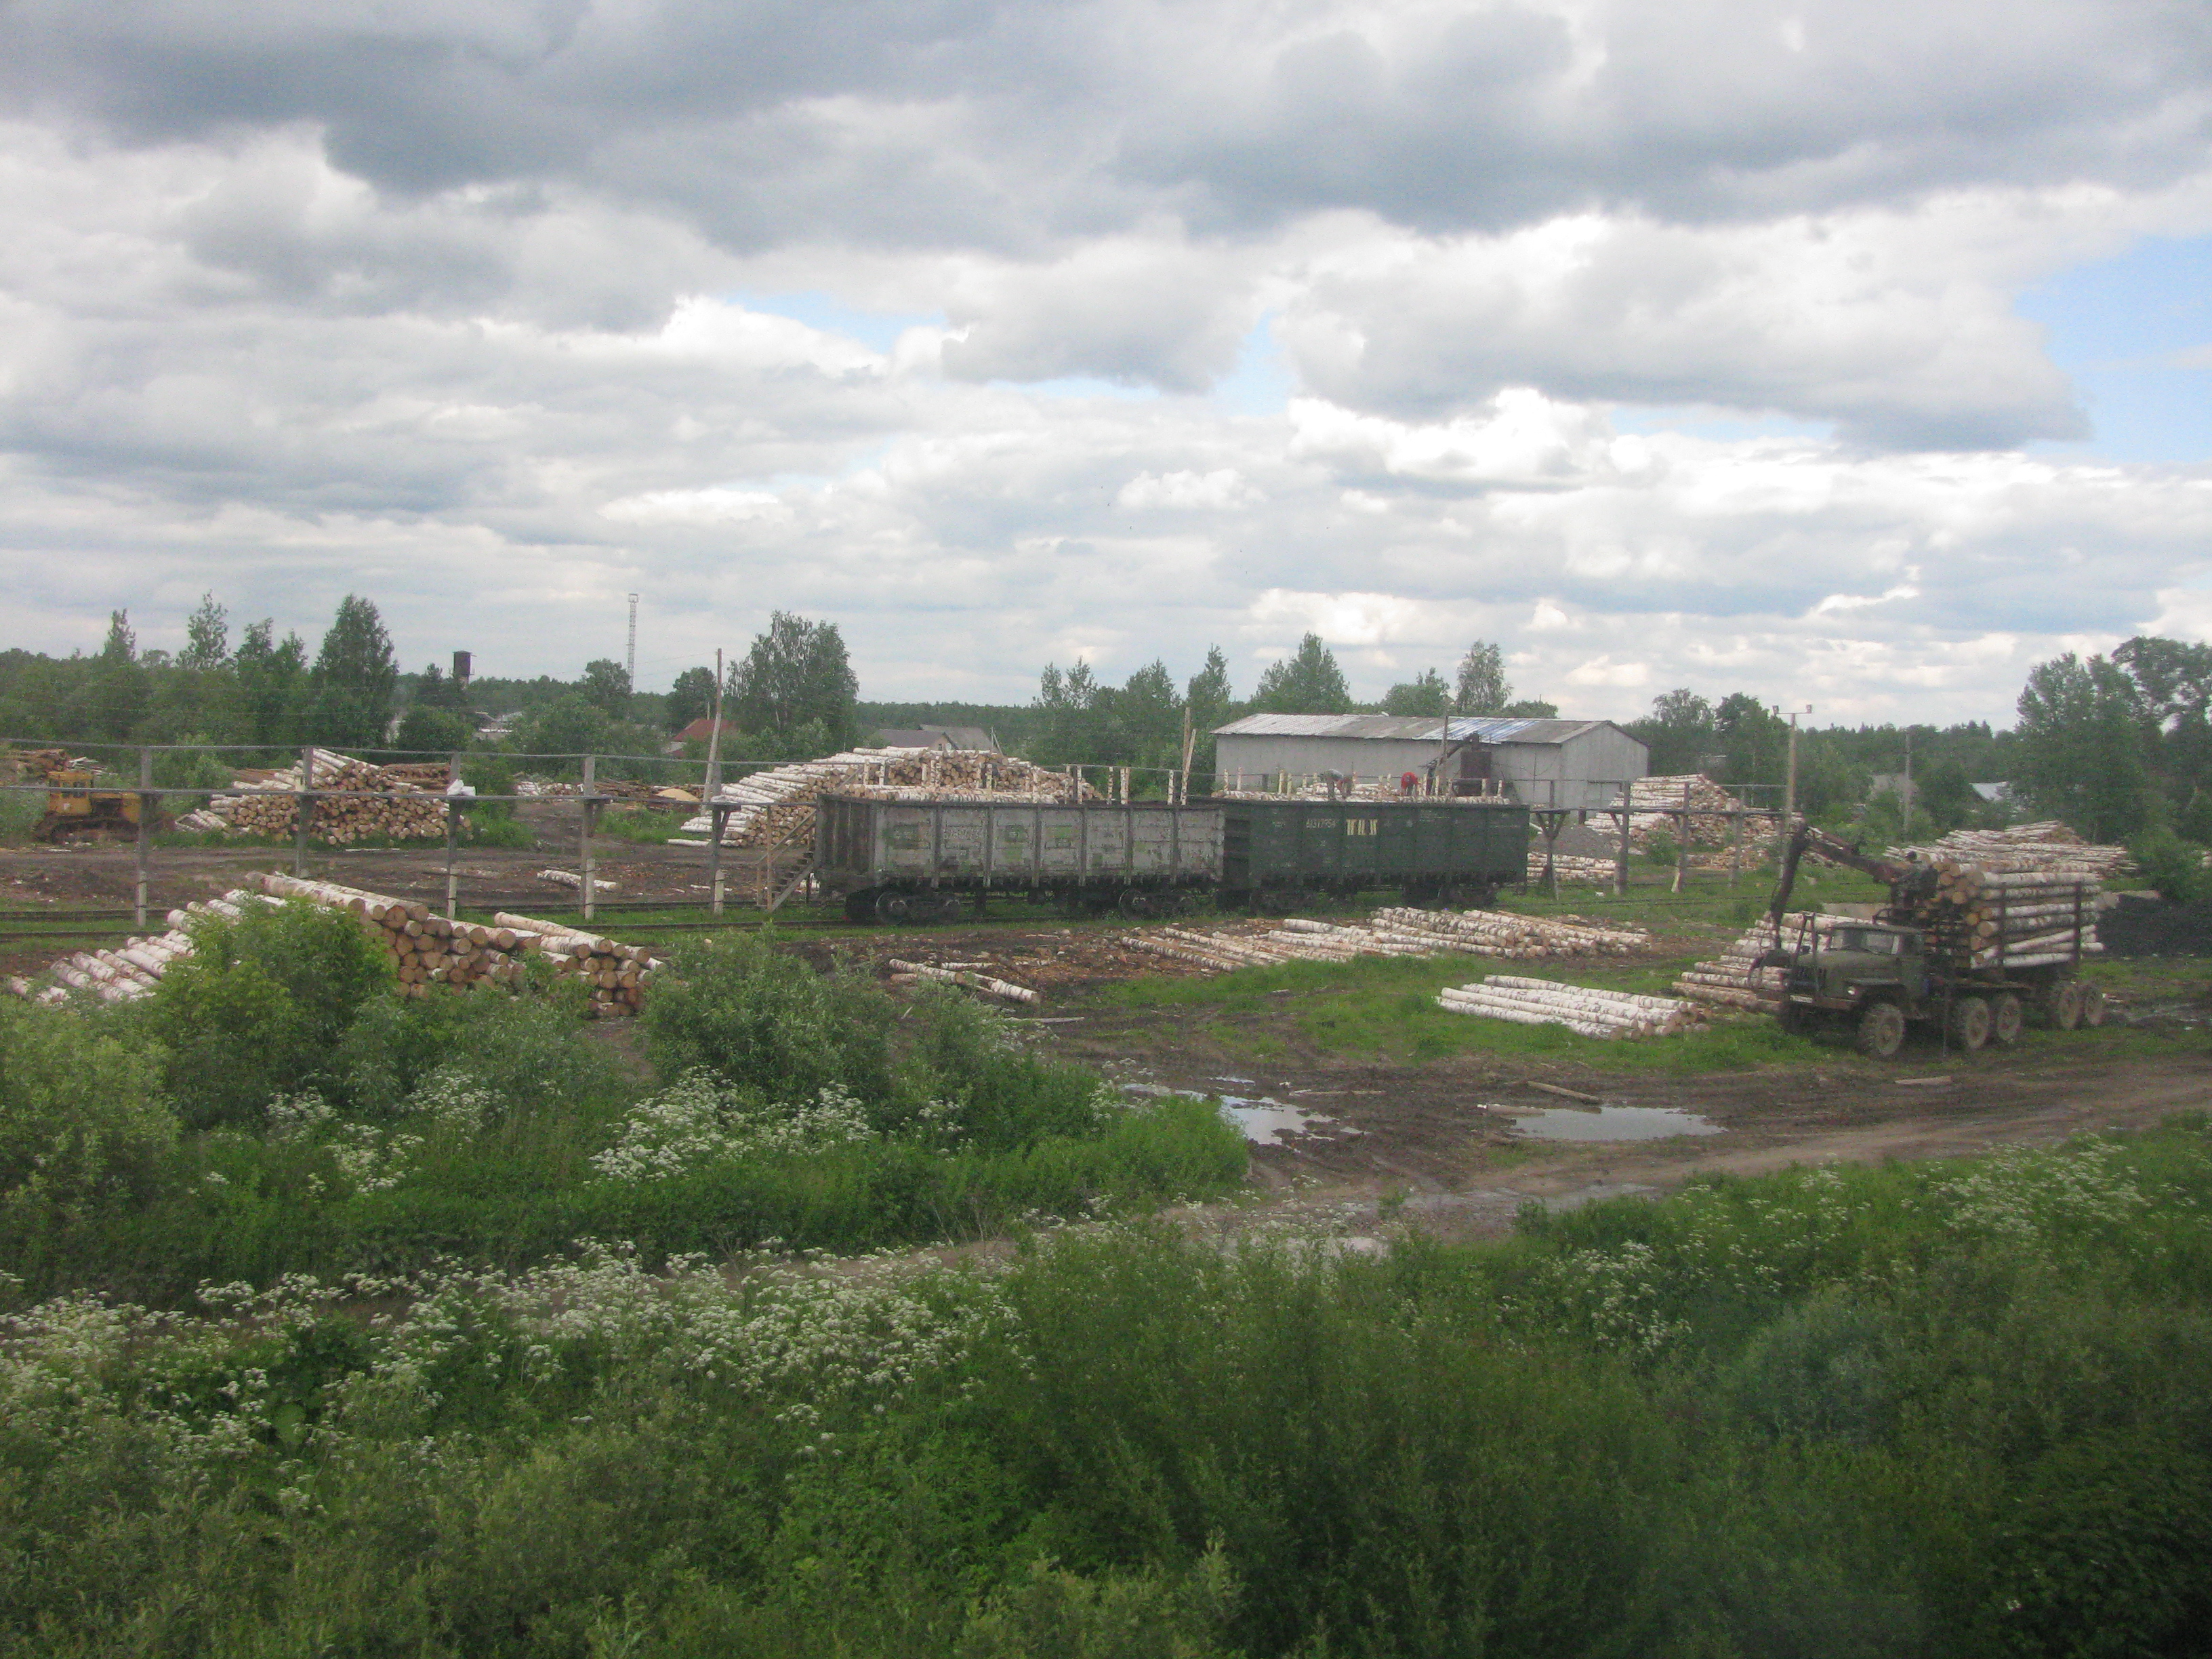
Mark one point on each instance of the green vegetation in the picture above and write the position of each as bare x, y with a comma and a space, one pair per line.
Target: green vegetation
646, 826
1950, 1409
276, 1107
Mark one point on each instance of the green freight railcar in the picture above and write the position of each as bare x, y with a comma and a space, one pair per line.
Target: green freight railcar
912, 860
1437, 851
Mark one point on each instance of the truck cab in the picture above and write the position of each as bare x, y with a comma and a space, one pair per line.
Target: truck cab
1853, 961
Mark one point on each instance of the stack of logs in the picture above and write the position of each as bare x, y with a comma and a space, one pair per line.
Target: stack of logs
2049, 849
1656, 809
962, 974
1735, 979
2009, 919
1392, 933
135, 967
1571, 867
1578, 1007
427, 950
776, 806
271, 807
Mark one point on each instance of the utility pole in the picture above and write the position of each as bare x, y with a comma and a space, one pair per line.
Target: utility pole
715, 736
1789, 782
629, 663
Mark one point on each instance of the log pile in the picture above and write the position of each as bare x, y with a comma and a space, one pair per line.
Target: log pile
135, 967
2009, 919
1654, 805
2047, 849
1391, 933
1571, 867
574, 883
1579, 1008
616, 976
775, 807
426, 949
1734, 979
269, 807
909, 972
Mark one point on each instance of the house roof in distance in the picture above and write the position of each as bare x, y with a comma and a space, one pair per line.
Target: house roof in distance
1425, 728
934, 737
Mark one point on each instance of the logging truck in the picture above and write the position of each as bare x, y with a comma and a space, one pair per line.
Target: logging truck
1972, 960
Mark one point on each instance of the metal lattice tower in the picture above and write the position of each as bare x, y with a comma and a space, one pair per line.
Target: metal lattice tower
629, 663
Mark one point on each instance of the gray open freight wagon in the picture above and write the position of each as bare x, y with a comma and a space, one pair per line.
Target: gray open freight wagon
912, 860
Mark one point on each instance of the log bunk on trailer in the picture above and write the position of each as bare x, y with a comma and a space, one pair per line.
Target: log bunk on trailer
911, 861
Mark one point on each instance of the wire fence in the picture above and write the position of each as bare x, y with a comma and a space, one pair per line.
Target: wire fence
136, 795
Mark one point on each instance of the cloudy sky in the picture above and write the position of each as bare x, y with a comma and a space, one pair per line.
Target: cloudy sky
1855, 353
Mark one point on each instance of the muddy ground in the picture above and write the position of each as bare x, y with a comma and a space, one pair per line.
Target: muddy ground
1445, 1144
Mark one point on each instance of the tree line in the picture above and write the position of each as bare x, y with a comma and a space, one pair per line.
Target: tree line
1143, 723
2118, 746
792, 693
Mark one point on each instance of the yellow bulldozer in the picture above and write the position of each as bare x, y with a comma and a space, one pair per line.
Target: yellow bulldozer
74, 807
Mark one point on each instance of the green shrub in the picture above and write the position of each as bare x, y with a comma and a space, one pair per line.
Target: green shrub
259, 1006
760, 1019
2174, 867
83, 1118
19, 816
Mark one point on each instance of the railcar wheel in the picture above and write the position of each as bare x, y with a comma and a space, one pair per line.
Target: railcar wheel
945, 907
2007, 1019
1133, 901
1881, 1030
861, 906
2092, 1005
893, 906
1969, 1023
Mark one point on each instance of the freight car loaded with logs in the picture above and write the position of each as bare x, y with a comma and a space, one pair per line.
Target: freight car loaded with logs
1971, 957
914, 861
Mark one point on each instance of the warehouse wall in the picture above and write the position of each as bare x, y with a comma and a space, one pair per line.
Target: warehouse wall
1259, 757
1587, 771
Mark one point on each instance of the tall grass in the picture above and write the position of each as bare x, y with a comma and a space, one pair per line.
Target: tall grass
1948, 1409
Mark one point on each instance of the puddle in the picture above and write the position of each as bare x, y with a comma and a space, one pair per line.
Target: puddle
1611, 1123
1264, 1121
1269, 1122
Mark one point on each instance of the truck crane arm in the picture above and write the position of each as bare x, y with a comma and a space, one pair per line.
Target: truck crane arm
1806, 839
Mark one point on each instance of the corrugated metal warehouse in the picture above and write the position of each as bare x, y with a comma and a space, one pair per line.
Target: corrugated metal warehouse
1577, 763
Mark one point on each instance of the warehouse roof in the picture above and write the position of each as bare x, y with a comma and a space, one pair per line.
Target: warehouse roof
1429, 728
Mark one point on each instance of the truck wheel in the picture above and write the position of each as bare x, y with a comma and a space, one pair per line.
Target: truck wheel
1969, 1023
1881, 1030
2006, 1020
2092, 1005
2066, 1004
1791, 1018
